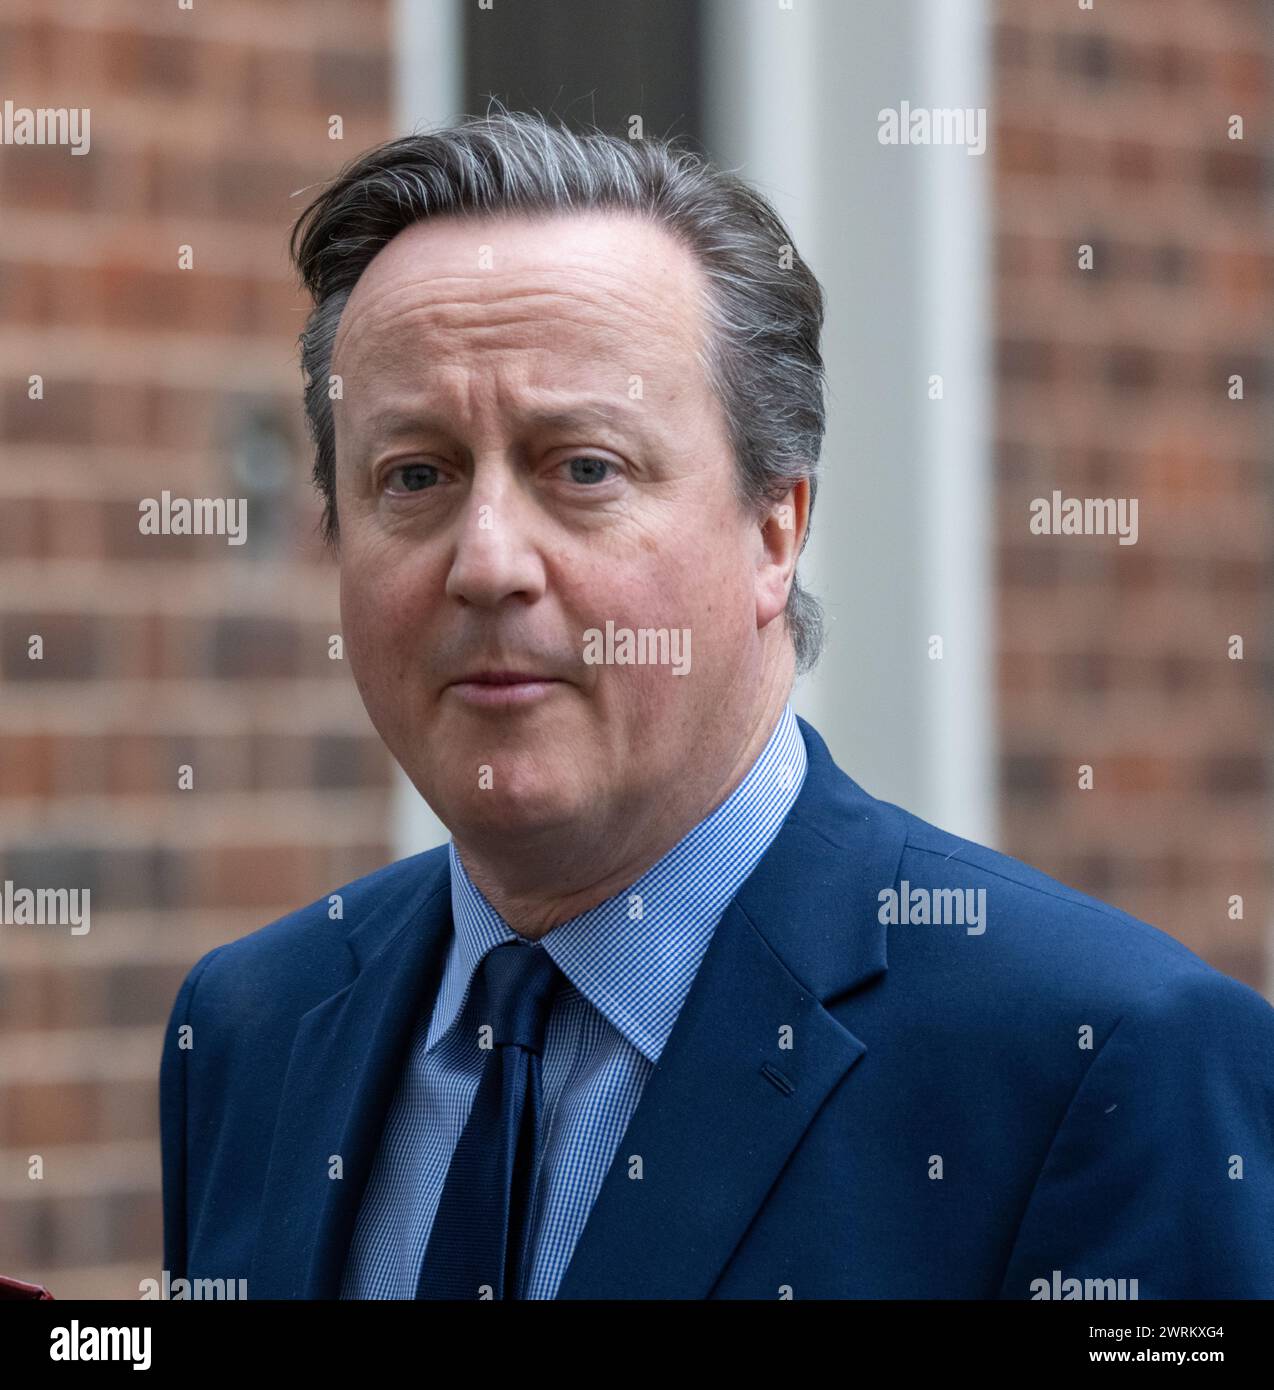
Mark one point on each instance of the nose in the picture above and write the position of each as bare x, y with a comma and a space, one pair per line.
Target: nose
496, 552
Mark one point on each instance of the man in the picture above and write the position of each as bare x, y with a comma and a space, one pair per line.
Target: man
680, 1011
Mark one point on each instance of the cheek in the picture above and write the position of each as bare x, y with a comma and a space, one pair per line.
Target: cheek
715, 590
711, 606
377, 619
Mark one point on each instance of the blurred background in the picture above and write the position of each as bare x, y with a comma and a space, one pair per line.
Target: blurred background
978, 358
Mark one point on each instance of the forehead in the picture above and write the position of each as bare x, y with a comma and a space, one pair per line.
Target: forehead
593, 282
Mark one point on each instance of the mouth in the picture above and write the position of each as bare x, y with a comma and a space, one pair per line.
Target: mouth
503, 689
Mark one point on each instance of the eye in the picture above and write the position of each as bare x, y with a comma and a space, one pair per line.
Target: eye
587, 468
411, 477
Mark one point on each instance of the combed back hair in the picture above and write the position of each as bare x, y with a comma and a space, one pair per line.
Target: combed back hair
763, 307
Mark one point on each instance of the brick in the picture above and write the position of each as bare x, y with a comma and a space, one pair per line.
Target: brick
27, 1238
53, 866
26, 765
47, 1114
1029, 772
179, 418
1243, 77
138, 995
123, 538
278, 763
22, 530
345, 80
157, 64
135, 1226
1234, 774
80, 1234
249, 186
74, 529
185, 646
269, 84
54, 996
28, 292
47, 178
30, 48
63, 416
1010, 46
1088, 56
1131, 367
70, 646
135, 765
1133, 161
342, 864
261, 876
340, 761
155, 878
1169, 66
1020, 151
254, 646
1026, 360
1235, 171
220, 763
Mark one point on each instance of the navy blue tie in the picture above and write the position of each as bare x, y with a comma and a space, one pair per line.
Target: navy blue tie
477, 1246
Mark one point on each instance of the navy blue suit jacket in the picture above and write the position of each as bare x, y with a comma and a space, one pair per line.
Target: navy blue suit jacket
845, 1109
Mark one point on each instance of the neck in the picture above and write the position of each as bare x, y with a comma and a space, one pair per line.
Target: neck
533, 898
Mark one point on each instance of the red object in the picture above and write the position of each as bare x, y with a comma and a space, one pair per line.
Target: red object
19, 1288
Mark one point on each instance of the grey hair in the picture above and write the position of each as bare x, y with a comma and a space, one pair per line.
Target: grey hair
763, 304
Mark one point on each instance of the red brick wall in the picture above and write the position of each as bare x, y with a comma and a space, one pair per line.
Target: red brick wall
1111, 130
159, 650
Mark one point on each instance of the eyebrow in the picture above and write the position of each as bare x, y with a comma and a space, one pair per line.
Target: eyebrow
394, 422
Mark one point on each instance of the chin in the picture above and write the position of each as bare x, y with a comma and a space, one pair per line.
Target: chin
528, 808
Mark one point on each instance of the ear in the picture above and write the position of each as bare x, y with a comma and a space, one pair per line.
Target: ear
782, 530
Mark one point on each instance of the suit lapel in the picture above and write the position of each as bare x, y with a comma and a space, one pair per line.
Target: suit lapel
727, 1104
345, 1063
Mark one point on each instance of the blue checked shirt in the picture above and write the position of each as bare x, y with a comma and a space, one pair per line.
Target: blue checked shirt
627, 976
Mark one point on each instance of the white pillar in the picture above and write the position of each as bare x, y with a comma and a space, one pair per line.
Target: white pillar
427, 52
898, 236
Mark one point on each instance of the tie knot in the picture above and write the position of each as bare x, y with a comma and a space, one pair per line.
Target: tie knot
520, 983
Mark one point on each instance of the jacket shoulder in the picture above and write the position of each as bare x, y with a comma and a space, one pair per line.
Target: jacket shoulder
1055, 940
305, 952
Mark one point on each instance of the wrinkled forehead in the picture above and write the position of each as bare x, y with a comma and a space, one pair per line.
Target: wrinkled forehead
617, 271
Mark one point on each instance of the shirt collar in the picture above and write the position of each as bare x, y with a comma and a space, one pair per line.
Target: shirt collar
634, 956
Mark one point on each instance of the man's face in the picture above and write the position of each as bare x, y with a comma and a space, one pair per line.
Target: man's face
527, 450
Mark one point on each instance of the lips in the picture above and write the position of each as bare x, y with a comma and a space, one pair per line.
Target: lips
503, 690
503, 678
